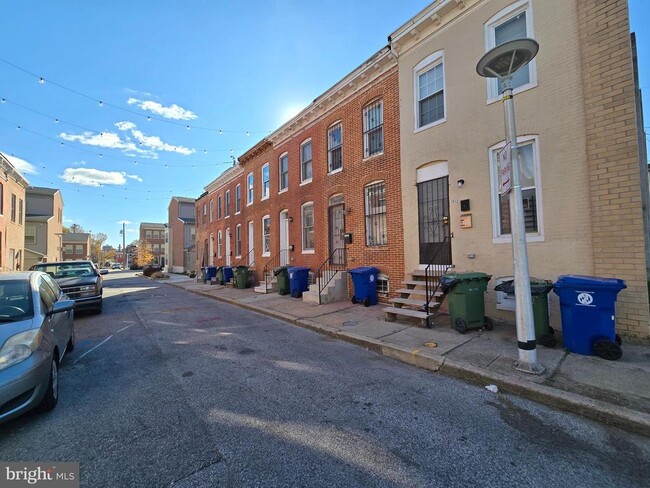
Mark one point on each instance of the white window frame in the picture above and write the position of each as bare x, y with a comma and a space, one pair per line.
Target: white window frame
430, 62
266, 252
303, 180
219, 244
266, 184
307, 250
238, 241
31, 231
329, 149
211, 210
282, 189
226, 206
366, 131
496, 20
219, 207
238, 199
250, 189
497, 237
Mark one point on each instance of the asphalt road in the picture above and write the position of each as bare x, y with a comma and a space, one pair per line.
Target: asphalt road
170, 388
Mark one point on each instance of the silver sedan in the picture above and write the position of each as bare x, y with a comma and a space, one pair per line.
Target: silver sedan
36, 330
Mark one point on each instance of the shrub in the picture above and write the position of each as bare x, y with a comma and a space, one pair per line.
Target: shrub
151, 270
159, 275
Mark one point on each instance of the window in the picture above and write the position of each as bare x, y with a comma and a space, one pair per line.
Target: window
305, 162
308, 227
227, 213
382, 284
20, 211
147, 234
205, 212
238, 241
529, 179
69, 249
78, 249
284, 172
335, 148
13, 207
211, 210
373, 129
219, 243
266, 181
513, 22
219, 207
156, 234
156, 247
237, 199
30, 234
429, 76
2, 200
250, 194
266, 235
376, 214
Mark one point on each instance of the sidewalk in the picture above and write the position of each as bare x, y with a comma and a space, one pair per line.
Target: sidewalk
612, 392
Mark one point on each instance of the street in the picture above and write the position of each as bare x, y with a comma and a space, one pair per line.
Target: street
170, 388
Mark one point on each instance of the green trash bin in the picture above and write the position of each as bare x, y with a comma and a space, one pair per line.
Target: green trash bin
539, 290
220, 275
465, 293
282, 275
241, 277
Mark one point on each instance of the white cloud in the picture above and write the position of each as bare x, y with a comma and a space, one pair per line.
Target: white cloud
173, 111
79, 163
140, 93
95, 177
108, 140
156, 144
22, 166
125, 125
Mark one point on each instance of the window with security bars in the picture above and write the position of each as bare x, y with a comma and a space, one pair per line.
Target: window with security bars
284, 172
382, 285
335, 147
376, 214
431, 95
373, 129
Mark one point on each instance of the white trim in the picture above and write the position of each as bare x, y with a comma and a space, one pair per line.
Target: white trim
302, 179
237, 212
266, 253
219, 244
497, 19
250, 201
281, 190
430, 62
308, 250
538, 236
238, 228
306, 182
339, 170
263, 196
432, 171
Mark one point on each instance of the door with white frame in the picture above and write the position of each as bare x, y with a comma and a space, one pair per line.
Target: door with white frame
433, 214
228, 252
251, 244
284, 238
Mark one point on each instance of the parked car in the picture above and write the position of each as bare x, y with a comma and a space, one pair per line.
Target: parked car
36, 331
79, 280
116, 266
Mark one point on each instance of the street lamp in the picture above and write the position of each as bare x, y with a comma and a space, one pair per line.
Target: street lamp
501, 63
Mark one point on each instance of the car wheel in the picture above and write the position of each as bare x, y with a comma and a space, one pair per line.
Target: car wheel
51, 397
71, 342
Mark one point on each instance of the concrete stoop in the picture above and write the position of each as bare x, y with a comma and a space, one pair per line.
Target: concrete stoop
335, 291
272, 286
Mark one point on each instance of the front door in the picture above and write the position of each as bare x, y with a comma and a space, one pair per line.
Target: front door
433, 221
336, 230
284, 238
251, 244
228, 247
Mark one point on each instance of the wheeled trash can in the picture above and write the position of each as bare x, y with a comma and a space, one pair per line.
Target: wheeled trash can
298, 280
364, 279
282, 276
241, 277
465, 293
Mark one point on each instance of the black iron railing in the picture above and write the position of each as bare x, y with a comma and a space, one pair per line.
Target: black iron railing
273, 263
434, 271
244, 261
333, 264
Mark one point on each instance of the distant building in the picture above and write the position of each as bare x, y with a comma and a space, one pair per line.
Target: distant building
43, 225
154, 236
12, 224
76, 246
181, 235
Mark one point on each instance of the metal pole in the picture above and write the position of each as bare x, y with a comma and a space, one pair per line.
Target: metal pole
524, 312
124, 245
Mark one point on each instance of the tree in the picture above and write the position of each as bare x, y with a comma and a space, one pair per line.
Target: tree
96, 243
143, 255
73, 229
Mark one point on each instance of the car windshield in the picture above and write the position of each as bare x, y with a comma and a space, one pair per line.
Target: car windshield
15, 301
66, 270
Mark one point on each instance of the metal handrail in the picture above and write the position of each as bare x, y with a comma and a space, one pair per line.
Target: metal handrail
272, 263
327, 271
244, 260
434, 270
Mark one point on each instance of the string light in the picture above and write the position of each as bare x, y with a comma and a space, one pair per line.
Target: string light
41, 81
101, 104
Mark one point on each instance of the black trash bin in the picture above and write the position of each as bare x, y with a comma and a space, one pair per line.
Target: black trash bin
282, 276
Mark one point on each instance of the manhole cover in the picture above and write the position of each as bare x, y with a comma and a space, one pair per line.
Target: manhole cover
431, 345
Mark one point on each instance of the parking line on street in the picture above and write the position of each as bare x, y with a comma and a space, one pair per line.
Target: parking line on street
124, 328
91, 350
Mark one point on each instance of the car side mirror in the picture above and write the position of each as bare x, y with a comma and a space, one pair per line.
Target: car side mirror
61, 306
103, 271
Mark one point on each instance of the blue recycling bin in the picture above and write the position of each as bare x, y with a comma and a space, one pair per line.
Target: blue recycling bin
210, 272
587, 305
298, 280
364, 279
227, 273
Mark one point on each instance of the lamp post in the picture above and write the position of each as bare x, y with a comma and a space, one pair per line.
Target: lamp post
501, 63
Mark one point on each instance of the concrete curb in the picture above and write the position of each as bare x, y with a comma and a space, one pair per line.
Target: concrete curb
607, 413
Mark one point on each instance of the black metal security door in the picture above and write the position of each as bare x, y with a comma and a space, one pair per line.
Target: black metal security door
433, 221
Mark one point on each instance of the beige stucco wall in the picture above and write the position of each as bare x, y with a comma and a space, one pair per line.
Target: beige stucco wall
55, 229
552, 110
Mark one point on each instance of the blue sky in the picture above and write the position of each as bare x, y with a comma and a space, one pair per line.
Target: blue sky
231, 71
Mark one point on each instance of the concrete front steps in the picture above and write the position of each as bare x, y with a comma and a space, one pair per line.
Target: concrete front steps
335, 291
272, 286
411, 303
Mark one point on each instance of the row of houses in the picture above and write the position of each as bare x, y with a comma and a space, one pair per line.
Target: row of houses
396, 166
31, 224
